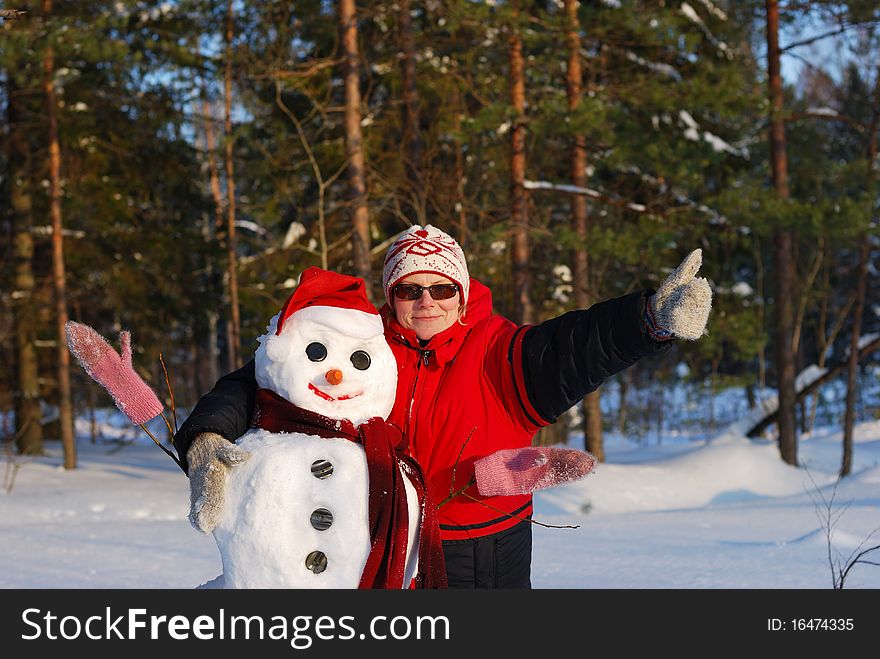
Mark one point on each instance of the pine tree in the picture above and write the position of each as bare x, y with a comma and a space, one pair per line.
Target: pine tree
580, 222
519, 222
28, 415
861, 283
354, 142
20, 63
783, 265
59, 279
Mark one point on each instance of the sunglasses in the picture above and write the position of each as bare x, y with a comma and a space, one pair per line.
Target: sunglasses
414, 291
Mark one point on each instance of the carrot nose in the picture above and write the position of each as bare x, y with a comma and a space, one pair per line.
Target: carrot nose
333, 376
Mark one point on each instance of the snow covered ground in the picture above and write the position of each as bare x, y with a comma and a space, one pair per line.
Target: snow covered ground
723, 513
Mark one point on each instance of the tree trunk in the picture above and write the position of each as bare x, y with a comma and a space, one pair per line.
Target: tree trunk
660, 406
593, 441
853, 365
801, 405
523, 312
354, 147
580, 258
59, 281
861, 289
760, 290
208, 373
581, 273
624, 381
782, 246
210, 148
93, 420
459, 173
234, 322
28, 417
412, 139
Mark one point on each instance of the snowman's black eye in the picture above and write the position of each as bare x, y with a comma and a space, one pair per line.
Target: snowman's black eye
360, 360
316, 352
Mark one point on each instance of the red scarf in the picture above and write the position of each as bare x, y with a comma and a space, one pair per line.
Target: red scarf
385, 447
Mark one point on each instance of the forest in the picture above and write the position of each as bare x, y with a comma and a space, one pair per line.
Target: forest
169, 168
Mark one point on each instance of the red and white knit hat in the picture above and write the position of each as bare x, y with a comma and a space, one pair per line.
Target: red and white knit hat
425, 250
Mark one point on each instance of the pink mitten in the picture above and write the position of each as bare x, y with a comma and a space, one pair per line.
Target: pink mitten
113, 372
520, 471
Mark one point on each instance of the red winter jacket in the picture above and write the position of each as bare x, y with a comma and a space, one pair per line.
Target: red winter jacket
459, 399
489, 384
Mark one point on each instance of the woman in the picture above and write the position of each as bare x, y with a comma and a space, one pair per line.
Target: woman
469, 383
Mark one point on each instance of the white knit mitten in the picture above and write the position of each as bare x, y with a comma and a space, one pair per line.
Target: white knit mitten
680, 307
210, 456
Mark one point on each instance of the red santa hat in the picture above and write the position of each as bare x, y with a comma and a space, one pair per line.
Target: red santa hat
425, 250
323, 288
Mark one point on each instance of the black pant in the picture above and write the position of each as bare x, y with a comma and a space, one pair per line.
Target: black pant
500, 560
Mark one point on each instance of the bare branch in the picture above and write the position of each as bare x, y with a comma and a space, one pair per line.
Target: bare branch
829, 518
170, 395
858, 559
308, 72
840, 30
826, 116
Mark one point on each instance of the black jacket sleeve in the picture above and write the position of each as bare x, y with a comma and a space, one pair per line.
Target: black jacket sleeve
567, 357
226, 410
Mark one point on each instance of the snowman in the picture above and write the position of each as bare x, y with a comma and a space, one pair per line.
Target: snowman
329, 497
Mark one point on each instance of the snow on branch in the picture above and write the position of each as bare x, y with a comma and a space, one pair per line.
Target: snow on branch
715, 216
828, 114
693, 133
250, 226
808, 376
714, 10
680, 198
47, 230
562, 187
295, 231
864, 340
574, 189
691, 14
822, 112
663, 69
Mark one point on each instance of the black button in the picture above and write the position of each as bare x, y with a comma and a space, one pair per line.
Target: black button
321, 468
321, 519
316, 562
